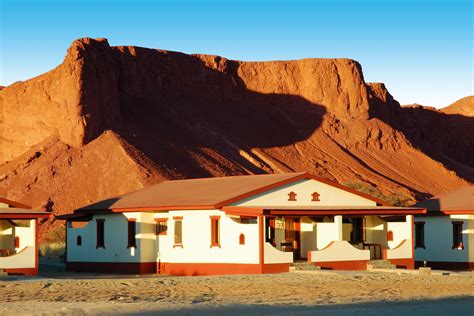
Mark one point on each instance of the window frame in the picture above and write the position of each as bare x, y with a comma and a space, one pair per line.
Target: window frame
132, 233
215, 231
458, 243
178, 219
419, 244
160, 222
100, 233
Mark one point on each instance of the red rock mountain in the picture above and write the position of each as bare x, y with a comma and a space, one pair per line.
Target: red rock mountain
113, 119
465, 107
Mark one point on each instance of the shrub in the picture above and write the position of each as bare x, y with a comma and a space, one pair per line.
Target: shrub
395, 199
52, 250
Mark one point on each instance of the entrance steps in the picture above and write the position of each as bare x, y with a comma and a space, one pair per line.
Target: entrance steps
302, 266
380, 264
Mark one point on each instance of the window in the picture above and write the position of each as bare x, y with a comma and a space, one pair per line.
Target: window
315, 196
420, 235
457, 235
242, 239
215, 238
292, 196
132, 231
178, 231
79, 241
161, 226
100, 233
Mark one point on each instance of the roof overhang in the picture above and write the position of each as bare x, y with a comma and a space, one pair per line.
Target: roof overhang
20, 213
318, 211
75, 217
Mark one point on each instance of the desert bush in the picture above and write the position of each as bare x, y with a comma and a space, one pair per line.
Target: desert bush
52, 250
395, 199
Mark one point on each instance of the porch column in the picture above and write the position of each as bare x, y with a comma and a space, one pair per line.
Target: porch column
338, 224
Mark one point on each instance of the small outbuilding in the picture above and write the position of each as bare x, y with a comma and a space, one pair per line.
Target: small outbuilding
444, 236
239, 224
19, 238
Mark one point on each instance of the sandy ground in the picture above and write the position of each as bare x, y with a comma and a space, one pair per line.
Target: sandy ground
301, 293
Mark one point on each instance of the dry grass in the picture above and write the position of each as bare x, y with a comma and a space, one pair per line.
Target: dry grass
52, 250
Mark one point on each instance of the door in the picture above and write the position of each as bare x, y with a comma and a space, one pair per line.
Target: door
292, 237
357, 234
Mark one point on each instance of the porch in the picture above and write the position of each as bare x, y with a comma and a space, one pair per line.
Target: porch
339, 238
19, 240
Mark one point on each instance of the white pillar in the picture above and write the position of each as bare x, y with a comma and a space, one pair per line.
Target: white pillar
338, 224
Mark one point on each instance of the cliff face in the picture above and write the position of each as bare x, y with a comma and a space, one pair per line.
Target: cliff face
202, 115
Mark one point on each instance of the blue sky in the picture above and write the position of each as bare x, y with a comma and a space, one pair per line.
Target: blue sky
422, 50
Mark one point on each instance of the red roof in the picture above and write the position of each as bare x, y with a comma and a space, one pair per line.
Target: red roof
459, 201
205, 192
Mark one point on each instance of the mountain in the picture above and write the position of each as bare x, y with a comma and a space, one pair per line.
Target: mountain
109, 120
464, 106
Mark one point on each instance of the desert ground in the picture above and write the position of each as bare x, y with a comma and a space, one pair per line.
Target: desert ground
312, 292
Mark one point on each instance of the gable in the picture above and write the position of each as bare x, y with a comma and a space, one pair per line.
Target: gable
328, 195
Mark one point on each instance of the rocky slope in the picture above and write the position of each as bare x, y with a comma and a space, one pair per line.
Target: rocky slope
112, 119
464, 106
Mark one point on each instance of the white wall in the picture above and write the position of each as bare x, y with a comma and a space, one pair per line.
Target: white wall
401, 231
197, 240
8, 232
339, 251
439, 240
116, 240
326, 233
273, 255
329, 196
25, 255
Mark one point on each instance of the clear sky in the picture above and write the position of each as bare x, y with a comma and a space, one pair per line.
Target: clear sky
422, 50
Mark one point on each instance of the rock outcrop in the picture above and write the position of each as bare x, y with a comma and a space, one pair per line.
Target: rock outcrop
113, 119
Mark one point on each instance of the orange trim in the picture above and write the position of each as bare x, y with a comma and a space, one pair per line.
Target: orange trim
178, 246
22, 271
24, 216
308, 256
242, 210
193, 269
178, 218
132, 219
455, 212
159, 208
215, 231
335, 211
17, 242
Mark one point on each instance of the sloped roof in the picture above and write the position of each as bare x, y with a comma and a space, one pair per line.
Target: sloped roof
13, 203
461, 199
205, 192
13, 212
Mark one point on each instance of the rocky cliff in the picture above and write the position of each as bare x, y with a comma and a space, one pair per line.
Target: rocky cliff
165, 114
